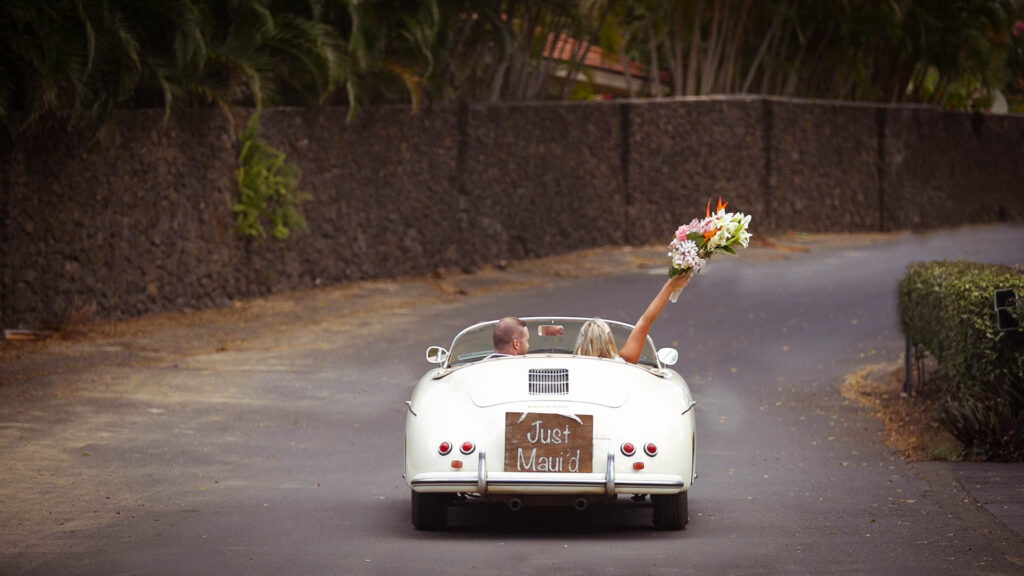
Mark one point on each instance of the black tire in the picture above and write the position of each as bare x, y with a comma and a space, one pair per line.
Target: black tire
670, 511
430, 510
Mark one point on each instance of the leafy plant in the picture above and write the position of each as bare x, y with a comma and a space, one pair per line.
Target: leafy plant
268, 188
990, 415
946, 309
1017, 311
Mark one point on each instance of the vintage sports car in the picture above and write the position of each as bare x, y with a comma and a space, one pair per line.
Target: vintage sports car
548, 428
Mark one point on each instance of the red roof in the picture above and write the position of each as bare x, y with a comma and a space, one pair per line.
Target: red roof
568, 49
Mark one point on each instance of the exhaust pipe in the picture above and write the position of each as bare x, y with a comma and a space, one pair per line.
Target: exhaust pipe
580, 504
515, 504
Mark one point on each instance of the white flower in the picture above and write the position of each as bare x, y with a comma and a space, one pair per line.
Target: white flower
685, 255
742, 221
744, 238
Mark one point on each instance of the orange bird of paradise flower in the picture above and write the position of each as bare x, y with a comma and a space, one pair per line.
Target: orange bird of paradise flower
721, 206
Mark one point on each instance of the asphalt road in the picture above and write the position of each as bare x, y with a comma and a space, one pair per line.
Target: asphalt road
282, 453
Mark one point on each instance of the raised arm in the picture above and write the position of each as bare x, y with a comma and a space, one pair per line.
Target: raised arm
634, 346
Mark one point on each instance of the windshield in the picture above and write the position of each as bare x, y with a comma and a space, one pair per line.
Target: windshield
476, 342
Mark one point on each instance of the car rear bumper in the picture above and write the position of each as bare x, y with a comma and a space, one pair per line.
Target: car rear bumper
482, 482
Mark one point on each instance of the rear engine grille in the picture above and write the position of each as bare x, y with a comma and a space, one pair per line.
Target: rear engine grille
548, 381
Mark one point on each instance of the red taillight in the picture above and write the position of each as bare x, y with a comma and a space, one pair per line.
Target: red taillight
650, 449
628, 449
444, 448
467, 447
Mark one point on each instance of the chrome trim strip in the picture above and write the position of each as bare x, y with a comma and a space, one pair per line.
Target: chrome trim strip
481, 474
621, 487
692, 404
408, 404
656, 484
609, 475
485, 482
452, 482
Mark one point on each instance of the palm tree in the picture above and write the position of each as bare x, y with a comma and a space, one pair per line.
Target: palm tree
79, 60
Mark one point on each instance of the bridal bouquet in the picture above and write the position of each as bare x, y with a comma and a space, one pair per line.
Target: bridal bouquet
695, 243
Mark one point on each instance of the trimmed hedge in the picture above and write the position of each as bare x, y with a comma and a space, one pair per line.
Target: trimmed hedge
947, 310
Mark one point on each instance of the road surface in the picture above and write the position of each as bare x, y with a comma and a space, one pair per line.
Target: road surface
281, 451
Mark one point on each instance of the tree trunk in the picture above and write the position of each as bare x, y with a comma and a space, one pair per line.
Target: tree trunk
582, 53
447, 68
781, 57
727, 79
544, 66
521, 55
627, 71
691, 75
707, 72
654, 72
768, 38
728, 22
498, 78
794, 74
812, 79
672, 38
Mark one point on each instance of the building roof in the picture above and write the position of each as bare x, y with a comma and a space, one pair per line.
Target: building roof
569, 49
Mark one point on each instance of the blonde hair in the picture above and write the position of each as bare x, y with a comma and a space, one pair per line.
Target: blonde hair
595, 339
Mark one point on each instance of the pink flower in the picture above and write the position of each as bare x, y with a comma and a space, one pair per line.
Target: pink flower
1018, 27
709, 225
697, 225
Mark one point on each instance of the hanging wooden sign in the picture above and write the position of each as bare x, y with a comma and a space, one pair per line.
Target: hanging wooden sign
538, 442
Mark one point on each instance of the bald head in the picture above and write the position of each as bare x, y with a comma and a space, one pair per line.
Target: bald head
511, 336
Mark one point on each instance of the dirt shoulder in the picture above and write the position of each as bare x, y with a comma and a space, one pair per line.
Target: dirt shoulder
910, 425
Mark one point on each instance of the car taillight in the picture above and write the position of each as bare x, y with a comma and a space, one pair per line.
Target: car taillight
467, 447
650, 449
628, 449
444, 448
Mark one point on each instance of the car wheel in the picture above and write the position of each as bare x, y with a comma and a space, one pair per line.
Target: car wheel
430, 510
670, 511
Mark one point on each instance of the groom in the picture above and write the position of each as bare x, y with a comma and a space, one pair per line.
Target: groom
511, 337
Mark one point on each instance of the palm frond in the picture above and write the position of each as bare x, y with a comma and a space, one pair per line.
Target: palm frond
315, 46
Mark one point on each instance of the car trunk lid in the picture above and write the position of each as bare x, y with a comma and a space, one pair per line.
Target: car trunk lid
524, 379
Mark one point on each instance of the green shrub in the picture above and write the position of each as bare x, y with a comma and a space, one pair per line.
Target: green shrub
947, 310
268, 188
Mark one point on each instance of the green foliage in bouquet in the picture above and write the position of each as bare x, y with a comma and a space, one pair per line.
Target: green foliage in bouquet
947, 310
268, 188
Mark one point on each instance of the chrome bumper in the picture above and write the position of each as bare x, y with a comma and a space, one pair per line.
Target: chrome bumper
483, 482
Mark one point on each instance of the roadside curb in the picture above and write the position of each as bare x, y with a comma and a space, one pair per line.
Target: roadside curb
998, 486
976, 504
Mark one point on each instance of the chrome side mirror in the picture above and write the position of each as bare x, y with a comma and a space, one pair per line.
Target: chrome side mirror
668, 356
436, 355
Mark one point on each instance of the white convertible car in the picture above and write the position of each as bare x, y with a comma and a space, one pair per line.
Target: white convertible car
548, 428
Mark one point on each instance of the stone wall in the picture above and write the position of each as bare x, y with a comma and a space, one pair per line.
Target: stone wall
383, 194
683, 153
141, 221
541, 180
824, 167
945, 169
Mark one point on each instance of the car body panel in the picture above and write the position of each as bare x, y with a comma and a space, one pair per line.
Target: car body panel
473, 401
